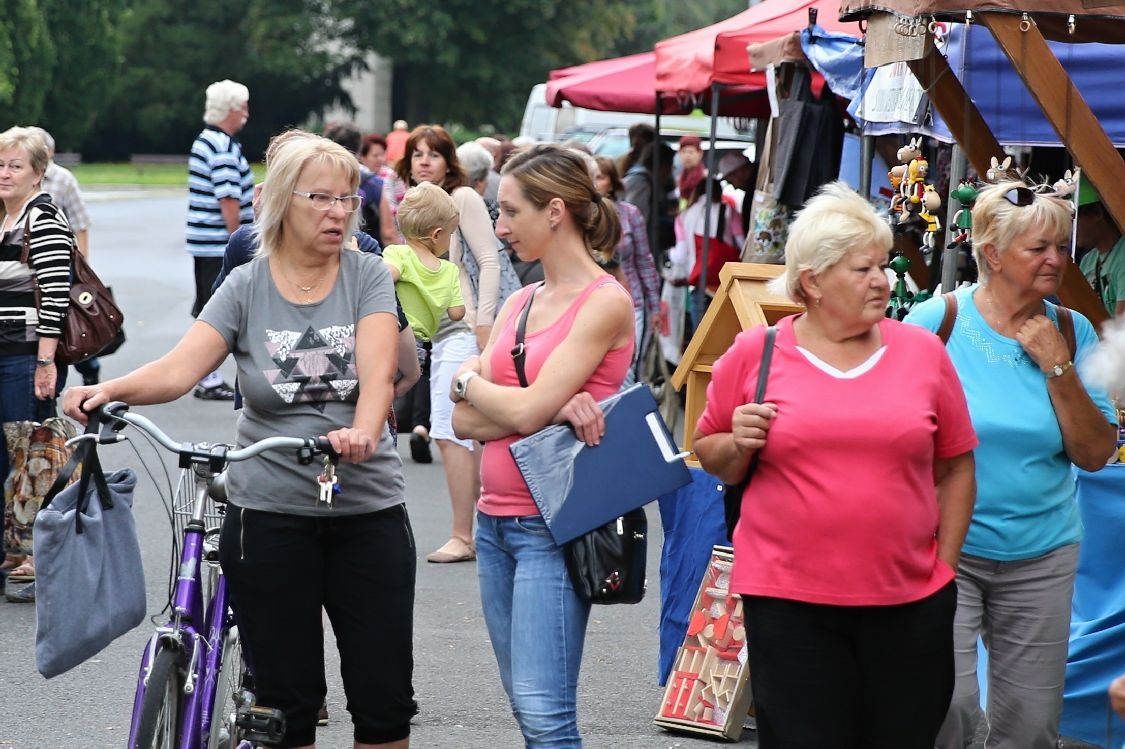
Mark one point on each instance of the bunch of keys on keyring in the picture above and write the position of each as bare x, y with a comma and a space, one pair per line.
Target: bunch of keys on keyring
329, 483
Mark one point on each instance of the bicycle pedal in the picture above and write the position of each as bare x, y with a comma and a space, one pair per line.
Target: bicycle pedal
261, 724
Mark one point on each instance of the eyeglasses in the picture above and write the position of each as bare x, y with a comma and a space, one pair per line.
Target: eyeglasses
322, 201
1020, 196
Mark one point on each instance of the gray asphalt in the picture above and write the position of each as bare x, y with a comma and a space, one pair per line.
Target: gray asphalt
136, 246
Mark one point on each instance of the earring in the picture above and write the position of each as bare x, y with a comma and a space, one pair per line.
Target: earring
816, 301
554, 226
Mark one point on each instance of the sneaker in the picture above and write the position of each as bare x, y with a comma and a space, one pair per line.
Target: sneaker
20, 593
322, 715
220, 392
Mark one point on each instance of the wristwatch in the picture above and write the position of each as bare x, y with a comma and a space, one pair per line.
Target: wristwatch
44, 362
1058, 370
461, 384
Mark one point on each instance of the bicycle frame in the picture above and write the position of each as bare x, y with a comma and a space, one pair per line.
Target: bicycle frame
197, 632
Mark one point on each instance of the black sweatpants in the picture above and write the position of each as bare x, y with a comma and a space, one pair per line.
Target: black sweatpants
282, 570
852, 677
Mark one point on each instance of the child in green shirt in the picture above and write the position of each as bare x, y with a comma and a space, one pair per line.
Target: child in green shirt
427, 286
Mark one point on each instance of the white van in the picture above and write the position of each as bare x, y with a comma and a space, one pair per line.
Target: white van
543, 122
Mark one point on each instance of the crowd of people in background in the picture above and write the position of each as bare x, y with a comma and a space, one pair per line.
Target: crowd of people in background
412, 243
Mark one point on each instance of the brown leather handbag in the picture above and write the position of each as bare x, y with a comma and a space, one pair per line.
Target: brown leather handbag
93, 320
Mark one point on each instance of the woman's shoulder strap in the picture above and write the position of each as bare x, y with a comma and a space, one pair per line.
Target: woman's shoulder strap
949, 319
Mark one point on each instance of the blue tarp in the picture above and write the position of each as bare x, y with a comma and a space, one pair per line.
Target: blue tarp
693, 522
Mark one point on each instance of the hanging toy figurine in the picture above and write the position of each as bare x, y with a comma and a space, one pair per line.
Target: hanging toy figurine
1066, 186
931, 202
965, 194
913, 189
897, 174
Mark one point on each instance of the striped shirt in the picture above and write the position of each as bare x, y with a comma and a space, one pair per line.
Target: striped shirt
21, 322
216, 169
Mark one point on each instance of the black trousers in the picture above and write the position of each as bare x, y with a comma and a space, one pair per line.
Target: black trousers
282, 570
850, 677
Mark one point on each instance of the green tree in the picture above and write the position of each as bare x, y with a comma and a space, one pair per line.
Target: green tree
88, 46
473, 61
661, 19
27, 61
285, 51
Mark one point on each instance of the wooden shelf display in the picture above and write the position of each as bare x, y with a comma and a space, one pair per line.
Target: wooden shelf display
708, 691
741, 302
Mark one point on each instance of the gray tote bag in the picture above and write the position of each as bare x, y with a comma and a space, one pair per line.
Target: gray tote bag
89, 582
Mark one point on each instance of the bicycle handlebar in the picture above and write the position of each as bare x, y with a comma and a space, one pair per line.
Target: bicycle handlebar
114, 416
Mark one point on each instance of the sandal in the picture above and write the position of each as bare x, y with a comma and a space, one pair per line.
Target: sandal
24, 573
454, 550
12, 561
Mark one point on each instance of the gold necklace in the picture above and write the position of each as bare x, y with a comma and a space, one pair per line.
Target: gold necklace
306, 290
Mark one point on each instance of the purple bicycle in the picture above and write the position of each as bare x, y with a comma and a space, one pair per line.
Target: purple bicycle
195, 688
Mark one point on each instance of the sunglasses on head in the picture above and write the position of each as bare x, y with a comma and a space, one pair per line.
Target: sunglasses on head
1020, 196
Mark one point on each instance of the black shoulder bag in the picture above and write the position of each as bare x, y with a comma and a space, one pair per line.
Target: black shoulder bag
606, 565
732, 493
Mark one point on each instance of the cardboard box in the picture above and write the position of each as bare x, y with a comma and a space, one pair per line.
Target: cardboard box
708, 690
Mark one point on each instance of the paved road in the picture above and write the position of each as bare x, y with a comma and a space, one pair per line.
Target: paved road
136, 246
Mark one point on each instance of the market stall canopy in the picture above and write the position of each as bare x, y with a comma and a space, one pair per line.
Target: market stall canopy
623, 84
688, 64
1093, 21
628, 84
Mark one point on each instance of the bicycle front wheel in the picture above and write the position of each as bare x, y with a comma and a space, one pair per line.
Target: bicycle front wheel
229, 688
159, 726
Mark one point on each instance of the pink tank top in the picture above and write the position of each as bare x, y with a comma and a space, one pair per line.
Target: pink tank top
503, 491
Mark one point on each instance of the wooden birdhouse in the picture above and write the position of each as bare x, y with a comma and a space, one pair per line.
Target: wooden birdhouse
742, 302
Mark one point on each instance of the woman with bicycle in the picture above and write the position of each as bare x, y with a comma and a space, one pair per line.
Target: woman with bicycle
310, 325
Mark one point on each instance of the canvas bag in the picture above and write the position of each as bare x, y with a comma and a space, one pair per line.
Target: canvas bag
90, 583
36, 454
769, 218
509, 279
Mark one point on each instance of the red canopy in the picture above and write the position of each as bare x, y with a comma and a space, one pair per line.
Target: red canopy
628, 84
623, 84
691, 62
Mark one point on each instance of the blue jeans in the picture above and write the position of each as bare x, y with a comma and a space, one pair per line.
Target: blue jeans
537, 625
18, 403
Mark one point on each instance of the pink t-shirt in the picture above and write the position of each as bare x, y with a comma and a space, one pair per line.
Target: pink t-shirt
842, 509
503, 490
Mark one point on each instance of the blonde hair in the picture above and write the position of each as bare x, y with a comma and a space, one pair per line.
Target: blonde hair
288, 160
222, 97
547, 171
997, 221
835, 222
424, 208
29, 140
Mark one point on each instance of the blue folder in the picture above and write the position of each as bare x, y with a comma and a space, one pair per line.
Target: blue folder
578, 488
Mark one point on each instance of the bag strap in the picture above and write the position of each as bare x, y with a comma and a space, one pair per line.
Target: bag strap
519, 351
41, 201
1066, 327
760, 392
1065, 323
85, 455
949, 319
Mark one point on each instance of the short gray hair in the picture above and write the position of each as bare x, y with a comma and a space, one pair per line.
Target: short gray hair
835, 222
475, 160
47, 139
222, 97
